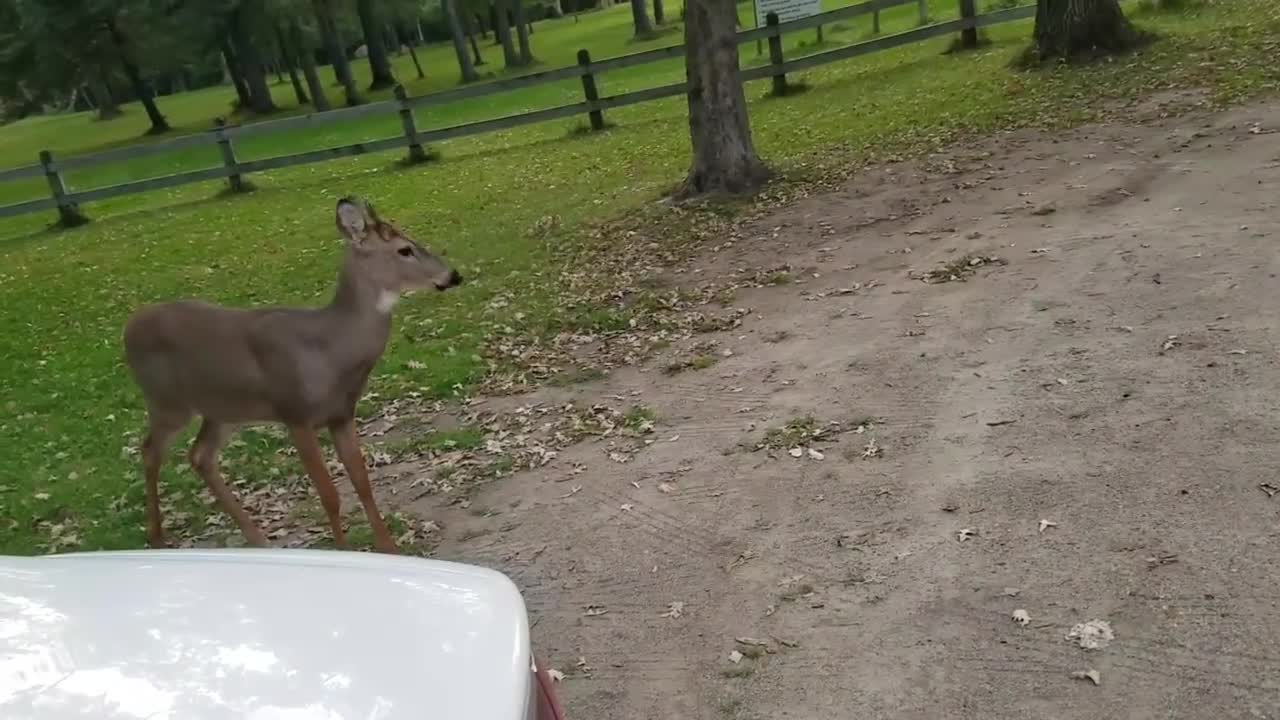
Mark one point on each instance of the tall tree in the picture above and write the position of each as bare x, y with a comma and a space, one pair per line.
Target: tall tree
245, 19
326, 18
232, 64
522, 31
467, 69
1067, 28
379, 63
724, 156
640, 19
502, 29
100, 88
468, 23
288, 58
131, 71
659, 15
306, 55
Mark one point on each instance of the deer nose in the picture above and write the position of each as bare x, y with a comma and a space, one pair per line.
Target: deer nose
454, 279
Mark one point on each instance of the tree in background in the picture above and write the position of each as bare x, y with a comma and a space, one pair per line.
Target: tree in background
458, 33
326, 18
51, 47
502, 29
379, 63
522, 31
300, 41
659, 16
640, 19
724, 156
1068, 28
244, 26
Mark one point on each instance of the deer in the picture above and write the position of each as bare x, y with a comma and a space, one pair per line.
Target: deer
305, 368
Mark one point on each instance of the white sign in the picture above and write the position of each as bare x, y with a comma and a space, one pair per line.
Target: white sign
787, 10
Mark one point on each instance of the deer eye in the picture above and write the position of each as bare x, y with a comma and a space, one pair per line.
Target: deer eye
405, 251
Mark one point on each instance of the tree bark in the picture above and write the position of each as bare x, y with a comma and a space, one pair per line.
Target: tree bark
379, 64
465, 65
1069, 28
100, 90
251, 65
233, 70
131, 71
503, 30
288, 59
319, 100
468, 22
640, 18
724, 156
337, 54
659, 14
522, 32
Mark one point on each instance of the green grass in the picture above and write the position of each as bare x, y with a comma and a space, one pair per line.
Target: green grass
71, 416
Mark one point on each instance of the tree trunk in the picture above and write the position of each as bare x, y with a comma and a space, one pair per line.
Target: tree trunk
459, 41
1067, 28
468, 27
131, 71
337, 55
100, 90
288, 59
251, 65
640, 18
503, 30
233, 69
493, 22
724, 157
522, 32
557, 9
319, 100
659, 16
379, 64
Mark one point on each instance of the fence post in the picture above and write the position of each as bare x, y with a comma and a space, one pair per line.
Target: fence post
922, 8
234, 182
416, 153
589, 89
969, 35
875, 23
69, 214
775, 54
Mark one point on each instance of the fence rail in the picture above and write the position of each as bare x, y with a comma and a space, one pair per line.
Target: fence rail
67, 202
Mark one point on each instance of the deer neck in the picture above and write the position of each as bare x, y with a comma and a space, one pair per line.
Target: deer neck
363, 304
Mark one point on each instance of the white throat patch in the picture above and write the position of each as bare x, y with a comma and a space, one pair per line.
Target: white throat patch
387, 300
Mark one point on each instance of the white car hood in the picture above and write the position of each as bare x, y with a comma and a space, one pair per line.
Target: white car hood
259, 634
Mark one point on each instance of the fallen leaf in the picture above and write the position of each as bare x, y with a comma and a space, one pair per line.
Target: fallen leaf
1012, 591
816, 455
555, 675
735, 657
1022, 617
1046, 524
626, 507
674, 610
666, 488
1092, 635
754, 642
872, 449
595, 610
1091, 675
1269, 489
966, 533
795, 452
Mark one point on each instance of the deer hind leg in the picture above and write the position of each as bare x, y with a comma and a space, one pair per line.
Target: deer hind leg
162, 429
347, 443
304, 438
204, 460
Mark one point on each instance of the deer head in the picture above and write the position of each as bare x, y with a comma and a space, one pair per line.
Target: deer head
385, 257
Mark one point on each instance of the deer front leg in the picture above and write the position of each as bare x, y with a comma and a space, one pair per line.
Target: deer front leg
204, 460
347, 442
160, 434
304, 438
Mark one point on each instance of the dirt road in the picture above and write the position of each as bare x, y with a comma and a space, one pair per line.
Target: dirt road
1085, 429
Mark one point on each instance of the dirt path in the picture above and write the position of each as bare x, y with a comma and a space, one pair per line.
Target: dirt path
1116, 376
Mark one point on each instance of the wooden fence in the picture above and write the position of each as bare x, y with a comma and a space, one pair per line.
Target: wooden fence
67, 202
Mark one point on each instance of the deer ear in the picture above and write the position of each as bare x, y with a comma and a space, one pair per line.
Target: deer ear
353, 221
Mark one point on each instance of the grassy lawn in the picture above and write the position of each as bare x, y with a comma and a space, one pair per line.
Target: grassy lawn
69, 477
